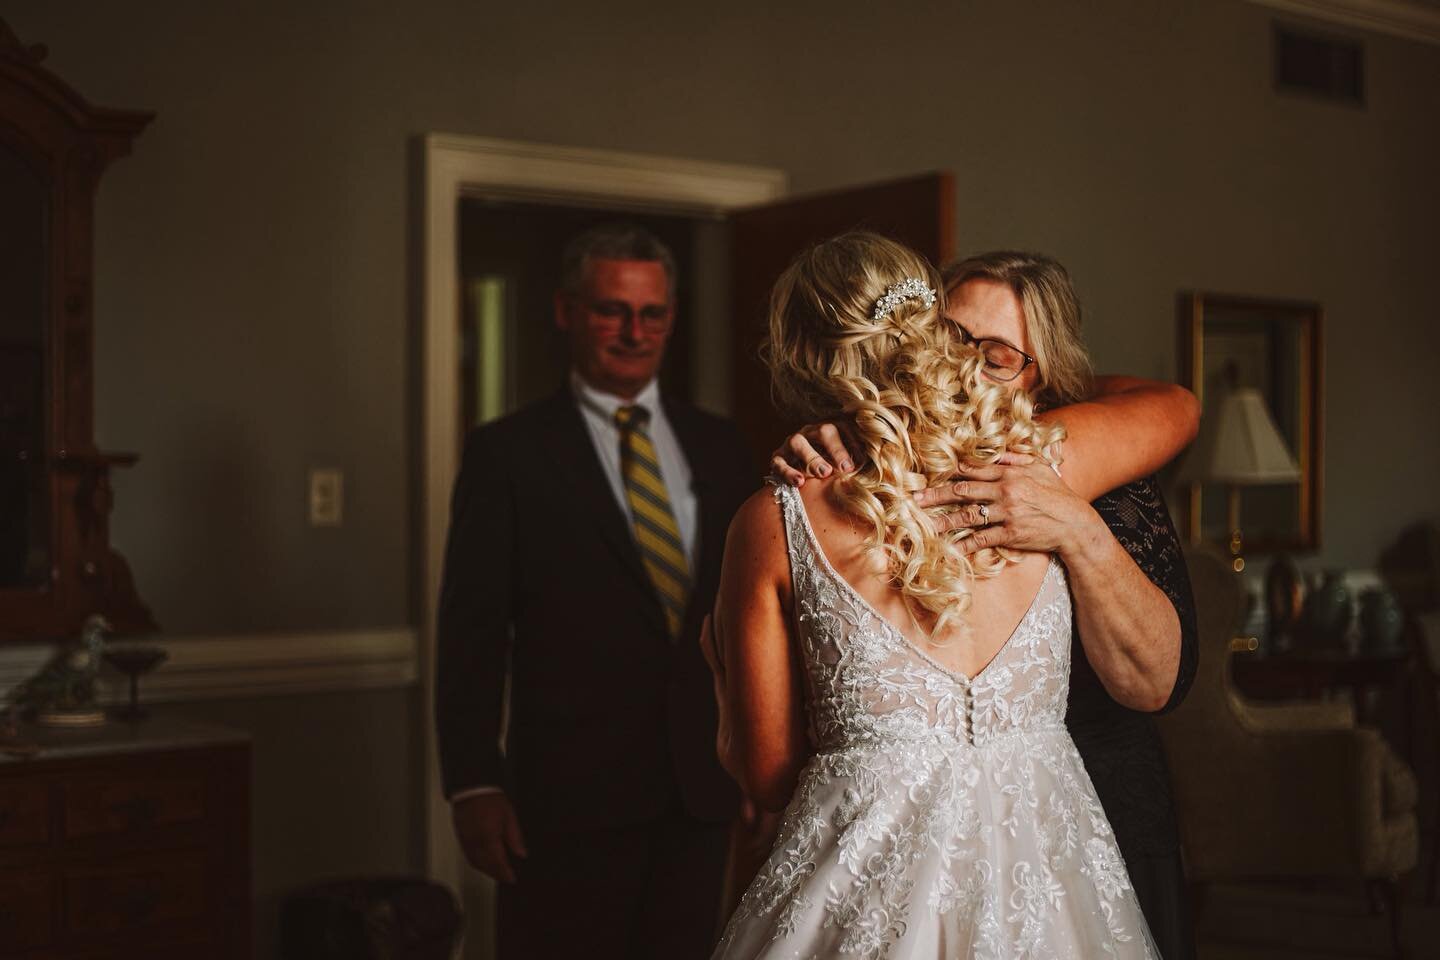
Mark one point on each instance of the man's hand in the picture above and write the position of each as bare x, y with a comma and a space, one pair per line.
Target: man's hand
815, 451
755, 828
1020, 503
714, 659
489, 834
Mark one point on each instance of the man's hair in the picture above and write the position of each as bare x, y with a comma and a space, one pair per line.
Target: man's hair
1052, 317
612, 241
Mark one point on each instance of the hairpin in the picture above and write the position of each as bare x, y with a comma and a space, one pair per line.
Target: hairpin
897, 293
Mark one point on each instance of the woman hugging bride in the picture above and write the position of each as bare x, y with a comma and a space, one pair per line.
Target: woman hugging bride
902, 696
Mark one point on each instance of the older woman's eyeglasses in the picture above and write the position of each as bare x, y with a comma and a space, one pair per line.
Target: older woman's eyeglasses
1003, 361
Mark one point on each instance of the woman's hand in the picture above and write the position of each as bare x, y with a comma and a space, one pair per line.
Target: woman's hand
816, 451
1018, 502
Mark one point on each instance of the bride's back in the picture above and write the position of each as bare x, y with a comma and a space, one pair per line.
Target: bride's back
998, 603
857, 332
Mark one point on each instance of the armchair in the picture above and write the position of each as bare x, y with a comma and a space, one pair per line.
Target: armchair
1281, 790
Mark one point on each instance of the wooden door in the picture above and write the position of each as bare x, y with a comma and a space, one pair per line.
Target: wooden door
918, 211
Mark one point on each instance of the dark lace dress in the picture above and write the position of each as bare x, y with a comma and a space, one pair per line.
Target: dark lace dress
1121, 747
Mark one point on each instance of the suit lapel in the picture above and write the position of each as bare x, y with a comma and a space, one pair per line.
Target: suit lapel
570, 445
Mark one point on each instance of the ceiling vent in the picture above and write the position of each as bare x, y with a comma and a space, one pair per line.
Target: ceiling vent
1319, 65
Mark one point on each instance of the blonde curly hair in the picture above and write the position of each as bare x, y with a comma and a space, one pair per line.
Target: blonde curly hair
915, 396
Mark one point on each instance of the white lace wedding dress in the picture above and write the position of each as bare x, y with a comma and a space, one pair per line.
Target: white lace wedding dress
941, 816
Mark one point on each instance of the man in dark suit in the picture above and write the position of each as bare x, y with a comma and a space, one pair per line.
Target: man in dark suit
584, 551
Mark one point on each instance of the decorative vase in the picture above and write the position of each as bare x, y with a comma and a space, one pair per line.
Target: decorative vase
1382, 620
1284, 599
1327, 613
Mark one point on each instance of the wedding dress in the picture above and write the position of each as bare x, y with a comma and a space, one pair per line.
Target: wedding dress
941, 816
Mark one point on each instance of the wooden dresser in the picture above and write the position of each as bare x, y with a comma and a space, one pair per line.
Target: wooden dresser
126, 841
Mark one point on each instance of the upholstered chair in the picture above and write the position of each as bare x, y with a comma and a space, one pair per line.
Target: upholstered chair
1286, 790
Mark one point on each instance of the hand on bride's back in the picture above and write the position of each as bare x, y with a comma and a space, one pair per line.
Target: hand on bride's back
1026, 506
1019, 503
489, 833
816, 451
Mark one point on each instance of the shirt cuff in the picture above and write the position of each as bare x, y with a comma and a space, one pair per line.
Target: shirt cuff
468, 792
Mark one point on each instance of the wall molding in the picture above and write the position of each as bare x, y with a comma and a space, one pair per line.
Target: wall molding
1398, 18
250, 665
484, 166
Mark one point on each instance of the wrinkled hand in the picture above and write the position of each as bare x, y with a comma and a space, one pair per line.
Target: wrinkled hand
816, 451
489, 833
1018, 502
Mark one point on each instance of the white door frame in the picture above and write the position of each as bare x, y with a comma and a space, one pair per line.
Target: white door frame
456, 166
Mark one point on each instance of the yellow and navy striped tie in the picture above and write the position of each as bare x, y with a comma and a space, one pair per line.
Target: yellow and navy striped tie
656, 532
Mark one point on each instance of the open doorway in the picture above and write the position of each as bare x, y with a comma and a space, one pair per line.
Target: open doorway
493, 218
512, 354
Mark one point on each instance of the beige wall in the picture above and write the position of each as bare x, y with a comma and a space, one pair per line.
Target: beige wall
252, 298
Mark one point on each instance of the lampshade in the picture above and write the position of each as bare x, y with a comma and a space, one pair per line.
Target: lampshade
1240, 445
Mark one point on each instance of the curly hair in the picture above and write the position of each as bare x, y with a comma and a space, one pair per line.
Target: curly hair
916, 398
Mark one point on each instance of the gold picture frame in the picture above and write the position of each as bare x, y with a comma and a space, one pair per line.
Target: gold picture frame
1274, 346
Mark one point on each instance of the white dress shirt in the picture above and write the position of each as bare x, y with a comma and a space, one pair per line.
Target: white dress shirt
597, 409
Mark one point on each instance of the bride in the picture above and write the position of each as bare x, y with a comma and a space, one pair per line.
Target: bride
904, 701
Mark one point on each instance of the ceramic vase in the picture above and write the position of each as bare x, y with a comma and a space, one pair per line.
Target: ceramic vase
1327, 611
1382, 621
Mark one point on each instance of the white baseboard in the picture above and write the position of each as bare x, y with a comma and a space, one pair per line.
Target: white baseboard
252, 665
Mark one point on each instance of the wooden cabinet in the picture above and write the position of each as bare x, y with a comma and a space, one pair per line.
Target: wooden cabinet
127, 842
57, 566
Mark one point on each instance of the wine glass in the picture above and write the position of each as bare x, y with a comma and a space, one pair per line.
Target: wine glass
133, 661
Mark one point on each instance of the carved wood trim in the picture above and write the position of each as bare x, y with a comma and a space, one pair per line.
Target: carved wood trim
69, 143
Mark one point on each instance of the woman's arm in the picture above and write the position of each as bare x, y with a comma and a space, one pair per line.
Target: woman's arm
1130, 629
763, 744
1128, 429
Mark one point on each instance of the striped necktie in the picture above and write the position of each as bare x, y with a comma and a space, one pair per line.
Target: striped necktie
656, 532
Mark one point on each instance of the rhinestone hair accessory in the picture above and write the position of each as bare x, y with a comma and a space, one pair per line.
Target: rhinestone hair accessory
897, 293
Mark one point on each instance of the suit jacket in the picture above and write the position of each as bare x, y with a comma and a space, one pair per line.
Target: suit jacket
1121, 747
610, 722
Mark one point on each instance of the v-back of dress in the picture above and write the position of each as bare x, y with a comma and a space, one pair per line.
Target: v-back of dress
940, 815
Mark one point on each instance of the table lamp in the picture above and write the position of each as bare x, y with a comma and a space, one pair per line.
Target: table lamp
1240, 446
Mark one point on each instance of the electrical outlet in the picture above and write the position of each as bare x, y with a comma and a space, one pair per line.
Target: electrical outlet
327, 497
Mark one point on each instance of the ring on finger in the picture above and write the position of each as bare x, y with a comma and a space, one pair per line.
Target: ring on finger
984, 513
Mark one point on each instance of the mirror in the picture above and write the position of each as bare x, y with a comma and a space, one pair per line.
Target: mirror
1231, 345
25, 509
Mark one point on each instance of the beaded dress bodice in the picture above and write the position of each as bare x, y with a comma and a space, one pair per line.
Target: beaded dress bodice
866, 680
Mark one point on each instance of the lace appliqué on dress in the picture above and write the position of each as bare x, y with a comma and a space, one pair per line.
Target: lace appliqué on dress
940, 815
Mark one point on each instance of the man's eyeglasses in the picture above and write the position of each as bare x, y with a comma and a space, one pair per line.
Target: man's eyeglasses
1003, 361
615, 313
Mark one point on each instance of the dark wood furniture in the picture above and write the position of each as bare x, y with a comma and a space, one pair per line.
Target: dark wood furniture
56, 564
130, 840
1311, 676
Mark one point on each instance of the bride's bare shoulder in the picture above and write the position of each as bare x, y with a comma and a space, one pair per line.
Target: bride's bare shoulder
824, 506
757, 531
